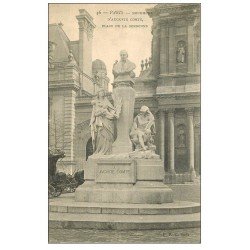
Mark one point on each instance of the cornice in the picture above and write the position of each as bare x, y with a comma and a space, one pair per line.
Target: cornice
178, 75
168, 15
176, 95
174, 9
85, 22
59, 86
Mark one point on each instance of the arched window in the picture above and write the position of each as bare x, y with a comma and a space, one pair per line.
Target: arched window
181, 150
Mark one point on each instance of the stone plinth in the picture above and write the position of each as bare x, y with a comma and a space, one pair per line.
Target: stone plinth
123, 143
89, 169
113, 171
149, 170
121, 179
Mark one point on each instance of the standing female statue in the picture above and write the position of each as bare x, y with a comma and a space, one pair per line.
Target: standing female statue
181, 52
102, 124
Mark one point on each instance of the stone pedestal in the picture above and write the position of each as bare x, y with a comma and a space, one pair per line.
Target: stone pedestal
123, 89
121, 179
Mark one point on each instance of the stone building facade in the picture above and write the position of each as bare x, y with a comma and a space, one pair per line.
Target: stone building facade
169, 84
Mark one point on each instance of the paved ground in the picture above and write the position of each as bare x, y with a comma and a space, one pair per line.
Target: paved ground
191, 235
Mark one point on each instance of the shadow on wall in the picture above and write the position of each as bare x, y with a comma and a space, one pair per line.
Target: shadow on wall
89, 148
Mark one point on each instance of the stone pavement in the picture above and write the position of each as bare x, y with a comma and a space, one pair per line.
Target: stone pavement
190, 235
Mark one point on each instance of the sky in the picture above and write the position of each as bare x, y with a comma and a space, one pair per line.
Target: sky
108, 41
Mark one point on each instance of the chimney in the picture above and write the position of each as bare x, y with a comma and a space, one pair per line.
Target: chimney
86, 27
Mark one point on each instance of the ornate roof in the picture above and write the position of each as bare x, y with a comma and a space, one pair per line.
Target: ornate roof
174, 9
58, 36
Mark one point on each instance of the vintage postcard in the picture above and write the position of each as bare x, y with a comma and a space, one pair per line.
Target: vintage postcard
124, 123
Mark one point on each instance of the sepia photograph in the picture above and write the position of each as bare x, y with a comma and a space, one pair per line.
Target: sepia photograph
124, 122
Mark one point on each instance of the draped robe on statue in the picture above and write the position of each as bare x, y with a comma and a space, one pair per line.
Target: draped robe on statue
102, 126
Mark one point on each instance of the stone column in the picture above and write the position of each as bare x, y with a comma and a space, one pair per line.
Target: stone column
172, 52
162, 135
170, 176
197, 149
190, 118
171, 147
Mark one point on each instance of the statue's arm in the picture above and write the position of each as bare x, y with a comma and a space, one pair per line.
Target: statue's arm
151, 124
110, 114
114, 73
92, 119
98, 113
135, 126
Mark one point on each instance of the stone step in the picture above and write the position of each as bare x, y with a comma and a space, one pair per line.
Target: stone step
67, 204
123, 222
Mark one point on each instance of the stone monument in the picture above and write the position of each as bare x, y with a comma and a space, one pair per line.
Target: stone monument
115, 173
123, 88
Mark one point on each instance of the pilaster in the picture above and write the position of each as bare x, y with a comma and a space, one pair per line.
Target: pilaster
163, 49
172, 54
155, 49
191, 59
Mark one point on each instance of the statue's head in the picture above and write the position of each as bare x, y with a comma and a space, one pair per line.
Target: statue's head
144, 110
123, 55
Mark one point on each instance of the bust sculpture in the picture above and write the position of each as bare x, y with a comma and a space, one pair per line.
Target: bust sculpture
123, 70
143, 130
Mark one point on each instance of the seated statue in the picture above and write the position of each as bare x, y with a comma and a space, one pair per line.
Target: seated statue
143, 130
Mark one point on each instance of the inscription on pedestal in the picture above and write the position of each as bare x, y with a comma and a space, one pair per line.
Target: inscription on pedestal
115, 172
